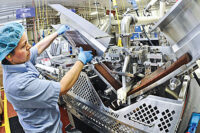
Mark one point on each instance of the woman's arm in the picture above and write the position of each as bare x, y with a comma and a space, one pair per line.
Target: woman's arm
70, 77
43, 44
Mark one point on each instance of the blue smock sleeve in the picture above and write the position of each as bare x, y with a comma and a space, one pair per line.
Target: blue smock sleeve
34, 54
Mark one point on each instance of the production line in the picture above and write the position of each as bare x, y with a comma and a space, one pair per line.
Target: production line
135, 88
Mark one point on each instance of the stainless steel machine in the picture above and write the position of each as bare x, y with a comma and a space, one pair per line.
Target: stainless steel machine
137, 88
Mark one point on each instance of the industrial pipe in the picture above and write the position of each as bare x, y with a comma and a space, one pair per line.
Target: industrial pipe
146, 20
162, 8
125, 29
122, 92
126, 61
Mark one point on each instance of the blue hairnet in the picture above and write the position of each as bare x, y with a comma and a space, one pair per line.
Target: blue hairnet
10, 35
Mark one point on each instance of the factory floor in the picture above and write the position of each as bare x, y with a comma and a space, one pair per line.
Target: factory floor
10, 123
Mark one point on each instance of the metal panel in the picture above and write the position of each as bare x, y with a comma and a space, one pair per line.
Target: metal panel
192, 105
84, 89
181, 26
181, 19
98, 39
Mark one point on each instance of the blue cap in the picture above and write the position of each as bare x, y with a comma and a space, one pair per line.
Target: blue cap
10, 35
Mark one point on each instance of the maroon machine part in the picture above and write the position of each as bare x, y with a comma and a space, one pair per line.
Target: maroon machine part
77, 41
101, 68
160, 73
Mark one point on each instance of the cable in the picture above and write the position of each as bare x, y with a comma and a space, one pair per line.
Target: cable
38, 20
34, 28
43, 35
89, 7
40, 11
123, 5
109, 30
47, 19
119, 39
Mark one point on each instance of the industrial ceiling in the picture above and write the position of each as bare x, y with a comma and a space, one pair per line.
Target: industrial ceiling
72, 3
8, 7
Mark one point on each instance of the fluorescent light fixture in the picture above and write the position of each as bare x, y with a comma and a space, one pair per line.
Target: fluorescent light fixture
94, 13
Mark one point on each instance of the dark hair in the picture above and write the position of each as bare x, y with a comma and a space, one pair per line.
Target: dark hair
5, 61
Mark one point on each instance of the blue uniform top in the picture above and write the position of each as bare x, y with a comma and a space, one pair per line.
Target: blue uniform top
34, 100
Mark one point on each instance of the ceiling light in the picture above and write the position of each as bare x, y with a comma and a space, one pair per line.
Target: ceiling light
94, 13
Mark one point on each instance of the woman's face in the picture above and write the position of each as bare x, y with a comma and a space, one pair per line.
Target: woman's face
21, 52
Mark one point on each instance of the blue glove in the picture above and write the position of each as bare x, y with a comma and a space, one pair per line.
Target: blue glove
85, 56
62, 29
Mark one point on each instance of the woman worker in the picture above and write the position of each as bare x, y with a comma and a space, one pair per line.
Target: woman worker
34, 99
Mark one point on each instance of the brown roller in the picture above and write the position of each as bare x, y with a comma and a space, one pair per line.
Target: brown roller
160, 73
101, 68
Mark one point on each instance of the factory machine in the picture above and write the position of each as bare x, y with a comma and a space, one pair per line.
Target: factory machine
135, 88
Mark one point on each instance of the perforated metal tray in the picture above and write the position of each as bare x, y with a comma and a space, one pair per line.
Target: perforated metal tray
152, 114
